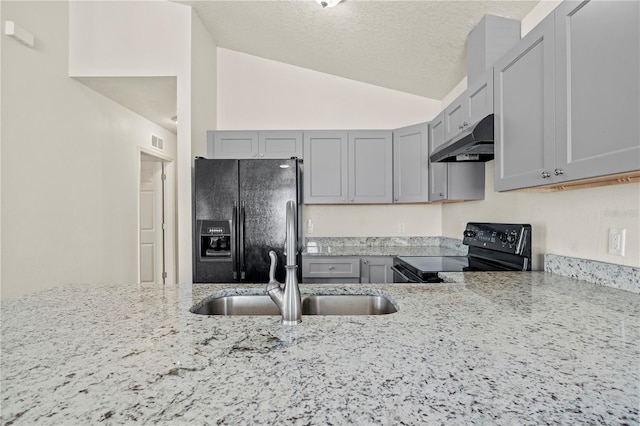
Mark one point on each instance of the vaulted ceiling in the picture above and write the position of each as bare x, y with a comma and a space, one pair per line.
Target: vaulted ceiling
417, 47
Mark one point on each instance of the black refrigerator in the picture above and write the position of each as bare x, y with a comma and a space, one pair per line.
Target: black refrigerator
240, 215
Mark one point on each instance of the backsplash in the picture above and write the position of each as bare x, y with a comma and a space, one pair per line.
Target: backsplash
601, 273
444, 242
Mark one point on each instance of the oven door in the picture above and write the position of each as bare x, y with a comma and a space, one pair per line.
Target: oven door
403, 275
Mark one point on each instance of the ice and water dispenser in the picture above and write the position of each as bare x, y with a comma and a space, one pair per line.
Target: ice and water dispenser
215, 239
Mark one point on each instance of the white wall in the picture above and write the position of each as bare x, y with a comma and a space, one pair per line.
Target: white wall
69, 165
203, 86
144, 38
568, 223
256, 93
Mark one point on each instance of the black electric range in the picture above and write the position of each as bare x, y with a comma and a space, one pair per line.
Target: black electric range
492, 247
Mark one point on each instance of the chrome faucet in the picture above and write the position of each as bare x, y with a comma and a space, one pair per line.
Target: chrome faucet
289, 300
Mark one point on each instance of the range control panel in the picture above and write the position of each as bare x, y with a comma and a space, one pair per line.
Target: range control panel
503, 237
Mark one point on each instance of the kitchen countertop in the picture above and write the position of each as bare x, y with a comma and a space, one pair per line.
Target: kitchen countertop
500, 348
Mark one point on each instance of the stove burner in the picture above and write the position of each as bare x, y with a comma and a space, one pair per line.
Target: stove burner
492, 247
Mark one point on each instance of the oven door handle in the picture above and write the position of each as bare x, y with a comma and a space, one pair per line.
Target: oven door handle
397, 271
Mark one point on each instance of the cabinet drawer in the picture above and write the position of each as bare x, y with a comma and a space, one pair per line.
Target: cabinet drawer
330, 267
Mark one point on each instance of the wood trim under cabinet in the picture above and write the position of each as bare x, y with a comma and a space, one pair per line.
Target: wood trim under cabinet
615, 179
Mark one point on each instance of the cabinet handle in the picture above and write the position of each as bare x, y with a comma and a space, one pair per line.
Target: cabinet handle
366, 262
465, 124
558, 172
546, 175
331, 267
441, 194
460, 126
396, 199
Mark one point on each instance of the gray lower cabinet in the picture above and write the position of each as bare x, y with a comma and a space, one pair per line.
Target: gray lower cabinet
376, 269
411, 164
330, 269
276, 144
567, 102
348, 167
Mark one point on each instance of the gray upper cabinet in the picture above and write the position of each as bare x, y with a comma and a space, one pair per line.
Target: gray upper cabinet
454, 117
479, 99
370, 166
524, 110
280, 144
232, 144
348, 167
437, 171
598, 89
411, 164
567, 103
470, 107
452, 181
325, 167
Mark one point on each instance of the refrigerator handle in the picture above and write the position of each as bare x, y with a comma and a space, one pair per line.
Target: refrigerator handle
241, 241
234, 242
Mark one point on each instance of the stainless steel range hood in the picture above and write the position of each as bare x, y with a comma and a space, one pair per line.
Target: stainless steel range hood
475, 144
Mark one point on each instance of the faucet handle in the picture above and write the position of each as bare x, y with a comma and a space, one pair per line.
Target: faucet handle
272, 267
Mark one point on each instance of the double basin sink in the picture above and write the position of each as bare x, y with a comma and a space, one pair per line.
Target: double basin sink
312, 304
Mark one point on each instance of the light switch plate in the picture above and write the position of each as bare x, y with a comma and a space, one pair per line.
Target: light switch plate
617, 241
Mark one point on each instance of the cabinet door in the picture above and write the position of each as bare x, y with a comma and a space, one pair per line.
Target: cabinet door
376, 269
280, 144
232, 144
598, 88
437, 171
411, 164
525, 111
436, 133
325, 167
465, 181
454, 117
370, 166
479, 99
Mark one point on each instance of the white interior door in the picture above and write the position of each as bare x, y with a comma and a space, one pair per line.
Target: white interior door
151, 220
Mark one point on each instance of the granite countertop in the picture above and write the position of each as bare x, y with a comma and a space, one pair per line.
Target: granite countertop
500, 348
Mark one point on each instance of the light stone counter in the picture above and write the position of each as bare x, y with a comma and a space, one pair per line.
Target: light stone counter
502, 348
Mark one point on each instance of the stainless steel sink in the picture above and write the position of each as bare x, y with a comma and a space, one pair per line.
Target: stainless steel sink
312, 304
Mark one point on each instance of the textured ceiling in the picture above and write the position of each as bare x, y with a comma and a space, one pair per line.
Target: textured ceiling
416, 47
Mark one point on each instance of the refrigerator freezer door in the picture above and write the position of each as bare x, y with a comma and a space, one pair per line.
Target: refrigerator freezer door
265, 188
216, 199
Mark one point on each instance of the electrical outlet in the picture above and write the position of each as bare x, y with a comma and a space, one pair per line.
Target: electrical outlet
617, 241
401, 228
309, 226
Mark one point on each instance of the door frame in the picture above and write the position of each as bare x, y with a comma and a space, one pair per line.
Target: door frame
169, 206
